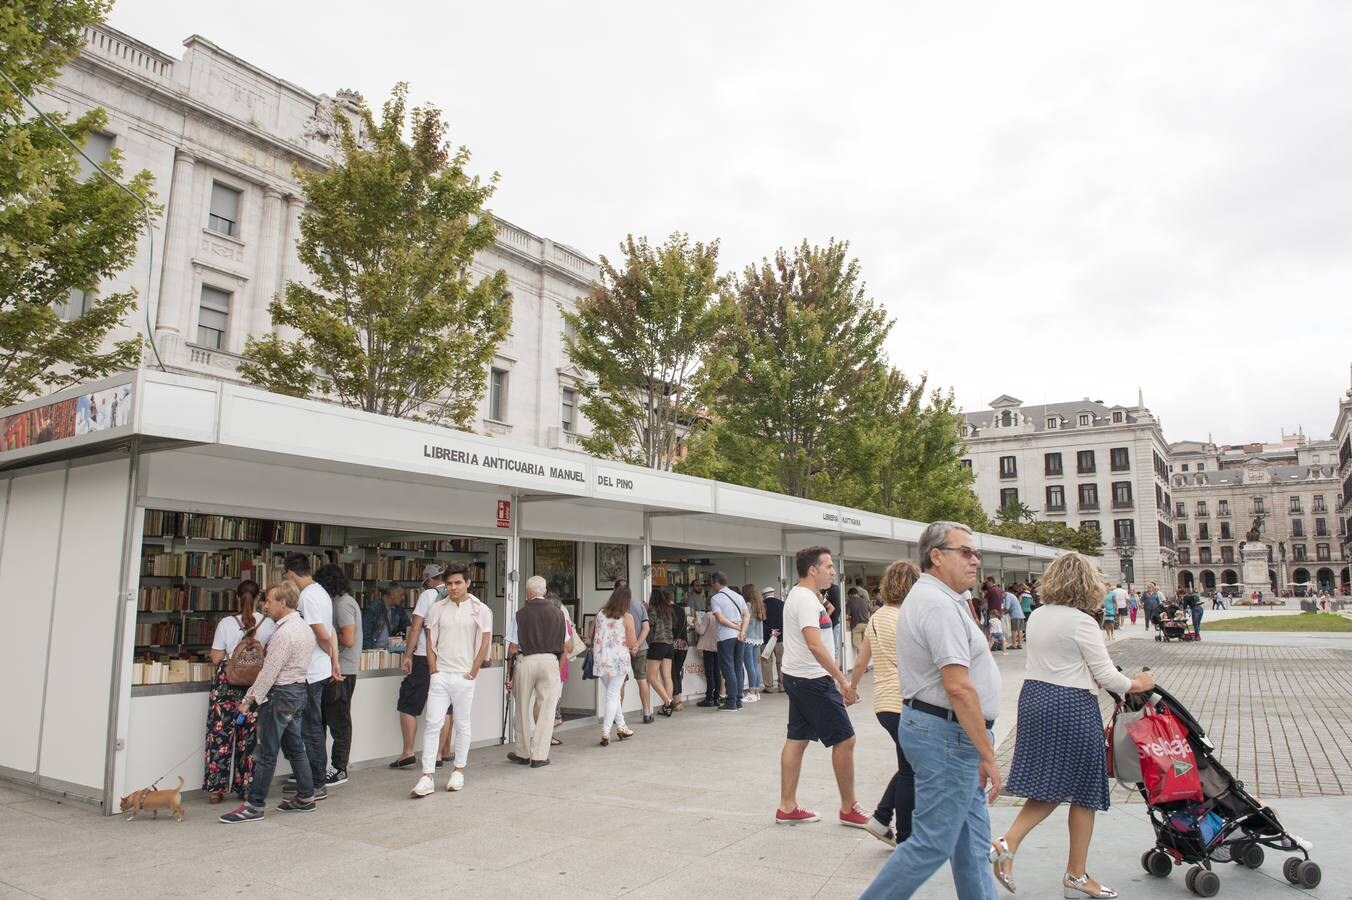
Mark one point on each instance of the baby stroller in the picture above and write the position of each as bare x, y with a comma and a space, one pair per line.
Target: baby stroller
1228, 826
1169, 628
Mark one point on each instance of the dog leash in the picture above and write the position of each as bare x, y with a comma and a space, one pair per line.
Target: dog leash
174, 768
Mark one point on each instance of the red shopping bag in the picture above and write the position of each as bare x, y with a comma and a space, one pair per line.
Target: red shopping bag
1168, 766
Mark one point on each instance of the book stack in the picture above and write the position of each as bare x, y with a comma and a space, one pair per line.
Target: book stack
376, 660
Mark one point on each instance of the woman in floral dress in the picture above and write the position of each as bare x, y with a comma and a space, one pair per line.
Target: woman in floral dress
226, 741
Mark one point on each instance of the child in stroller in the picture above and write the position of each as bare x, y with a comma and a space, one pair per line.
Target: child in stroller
1229, 825
1172, 624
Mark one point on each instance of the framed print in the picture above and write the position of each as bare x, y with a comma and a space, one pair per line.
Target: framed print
587, 622
556, 562
500, 566
612, 565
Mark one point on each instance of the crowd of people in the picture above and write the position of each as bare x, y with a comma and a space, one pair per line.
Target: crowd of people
928, 634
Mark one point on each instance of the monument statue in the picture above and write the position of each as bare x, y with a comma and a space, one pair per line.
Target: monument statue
1256, 531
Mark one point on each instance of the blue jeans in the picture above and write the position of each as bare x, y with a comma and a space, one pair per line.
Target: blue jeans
312, 728
730, 663
279, 726
751, 663
950, 823
1197, 620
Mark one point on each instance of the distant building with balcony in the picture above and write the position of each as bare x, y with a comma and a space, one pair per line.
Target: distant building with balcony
222, 136
1083, 463
1218, 493
1342, 441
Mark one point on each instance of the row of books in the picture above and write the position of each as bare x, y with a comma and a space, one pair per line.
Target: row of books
452, 545
171, 633
161, 523
174, 671
183, 598
388, 568
375, 660
232, 563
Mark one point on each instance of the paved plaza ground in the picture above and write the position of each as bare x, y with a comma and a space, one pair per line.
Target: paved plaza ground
685, 809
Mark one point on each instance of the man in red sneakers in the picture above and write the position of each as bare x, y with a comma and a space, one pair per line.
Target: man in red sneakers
818, 693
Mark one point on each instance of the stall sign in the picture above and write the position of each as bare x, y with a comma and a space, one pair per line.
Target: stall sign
504, 514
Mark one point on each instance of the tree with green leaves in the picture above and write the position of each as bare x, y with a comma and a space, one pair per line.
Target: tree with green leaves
60, 232
394, 322
794, 413
1052, 534
921, 475
645, 335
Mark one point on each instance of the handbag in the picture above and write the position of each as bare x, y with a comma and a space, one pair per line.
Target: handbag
1123, 762
769, 649
588, 664
243, 666
1168, 765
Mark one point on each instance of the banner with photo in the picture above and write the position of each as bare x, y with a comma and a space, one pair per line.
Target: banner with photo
83, 414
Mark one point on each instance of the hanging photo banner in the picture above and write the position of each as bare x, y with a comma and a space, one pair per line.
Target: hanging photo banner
59, 421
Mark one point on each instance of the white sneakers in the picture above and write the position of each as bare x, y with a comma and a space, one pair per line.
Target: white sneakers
426, 786
423, 787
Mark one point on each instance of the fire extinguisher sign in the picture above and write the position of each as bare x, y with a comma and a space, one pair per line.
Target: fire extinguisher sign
504, 514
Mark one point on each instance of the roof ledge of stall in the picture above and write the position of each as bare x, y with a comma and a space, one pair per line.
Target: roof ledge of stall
237, 419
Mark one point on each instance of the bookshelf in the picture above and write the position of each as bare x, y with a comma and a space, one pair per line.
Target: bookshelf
190, 564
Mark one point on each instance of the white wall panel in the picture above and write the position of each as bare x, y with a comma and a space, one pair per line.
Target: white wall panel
701, 533
75, 727
27, 570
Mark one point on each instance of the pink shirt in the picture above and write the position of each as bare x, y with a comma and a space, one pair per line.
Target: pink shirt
288, 657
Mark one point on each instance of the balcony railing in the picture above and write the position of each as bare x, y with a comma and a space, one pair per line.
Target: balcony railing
559, 439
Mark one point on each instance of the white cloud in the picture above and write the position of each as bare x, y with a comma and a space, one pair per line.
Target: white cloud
1053, 199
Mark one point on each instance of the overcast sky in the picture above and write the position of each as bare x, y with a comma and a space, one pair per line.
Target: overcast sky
1054, 200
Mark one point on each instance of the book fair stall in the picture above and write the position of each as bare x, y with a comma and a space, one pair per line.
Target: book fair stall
131, 508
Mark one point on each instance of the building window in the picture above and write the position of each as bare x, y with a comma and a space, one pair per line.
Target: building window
569, 333
76, 305
1053, 422
1295, 504
1084, 420
1120, 459
569, 409
1185, 467
1225, 531
1203, 531
966, 464
1227, 554
1319, 503
1298, 552
1321, 552
1201, 467
1090, 525
1051, 464
1203, 555
1201, 508
1321, 528
1257, 505
1122, 495
1008, 497
1124, 531
224, 217
1297, 528
213, 315
1056, 498
1184, 556
1089, 496
1084, 462
497, 395
98, 147
1117, 417
1180, 509
1009, 467
1181, 531
1222, 507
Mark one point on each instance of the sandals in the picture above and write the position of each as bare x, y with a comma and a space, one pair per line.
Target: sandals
605, 739
623, 733
998, 855
554, 742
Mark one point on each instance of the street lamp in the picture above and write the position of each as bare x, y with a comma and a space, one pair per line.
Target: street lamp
1125, 552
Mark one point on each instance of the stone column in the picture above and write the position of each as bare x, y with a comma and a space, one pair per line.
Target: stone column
292, 270
176, 270
270, 251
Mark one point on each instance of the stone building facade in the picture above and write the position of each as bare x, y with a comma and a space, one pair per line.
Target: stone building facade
1342, 442
1086, 464
222, 137
1221, 492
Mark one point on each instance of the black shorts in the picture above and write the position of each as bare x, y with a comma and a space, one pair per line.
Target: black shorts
657, 652
817, 711
413, 689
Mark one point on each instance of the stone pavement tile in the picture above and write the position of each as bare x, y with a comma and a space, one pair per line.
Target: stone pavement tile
562, 816
682, 832
839, 888
490, 845
179, 878
12, 794
816, 849
8, 892
716, 878
394, 873
514, 886
67, 857
607, 867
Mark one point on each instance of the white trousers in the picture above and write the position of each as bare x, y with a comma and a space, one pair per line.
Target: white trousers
613, 713
536, 674
447, 690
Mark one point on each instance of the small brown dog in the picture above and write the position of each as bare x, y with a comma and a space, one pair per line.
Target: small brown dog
170, 798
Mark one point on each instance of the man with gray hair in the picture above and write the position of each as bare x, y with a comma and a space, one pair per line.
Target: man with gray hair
952, 691
537, 638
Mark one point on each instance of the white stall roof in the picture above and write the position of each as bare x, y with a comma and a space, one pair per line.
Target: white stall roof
243, 420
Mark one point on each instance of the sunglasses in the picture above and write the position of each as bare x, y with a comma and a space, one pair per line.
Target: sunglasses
967, 552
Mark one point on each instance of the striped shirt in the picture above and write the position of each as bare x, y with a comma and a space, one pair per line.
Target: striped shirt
288, 657
881, 631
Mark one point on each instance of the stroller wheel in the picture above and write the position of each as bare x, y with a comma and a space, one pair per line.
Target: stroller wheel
1289, 869
1157, 863
1203, 882
1252, 856
1309, 874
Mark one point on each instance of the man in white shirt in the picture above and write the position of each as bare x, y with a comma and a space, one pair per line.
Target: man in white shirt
316, 609
459, 630
952, 691
730, 612
818, 693
413, 689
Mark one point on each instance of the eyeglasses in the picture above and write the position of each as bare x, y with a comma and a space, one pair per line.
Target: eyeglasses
967, 552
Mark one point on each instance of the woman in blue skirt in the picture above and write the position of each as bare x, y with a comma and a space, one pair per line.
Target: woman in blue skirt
1058, 751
